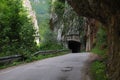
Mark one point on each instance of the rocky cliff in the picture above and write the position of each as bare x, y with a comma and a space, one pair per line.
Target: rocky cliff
108, 13
66, 23
69, 23
32, 15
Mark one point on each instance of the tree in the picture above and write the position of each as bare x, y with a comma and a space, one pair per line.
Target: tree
108, 13
16, 29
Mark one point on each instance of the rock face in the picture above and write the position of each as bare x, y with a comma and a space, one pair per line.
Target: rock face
69, 23
32, 15
91, 29
108, 13
66, 24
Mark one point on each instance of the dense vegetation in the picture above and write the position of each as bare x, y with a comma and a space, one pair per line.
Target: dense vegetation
98, 68
59, 7
47, 36
16, 29
17, 33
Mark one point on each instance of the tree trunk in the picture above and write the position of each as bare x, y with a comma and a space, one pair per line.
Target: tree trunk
88, 42
114, 48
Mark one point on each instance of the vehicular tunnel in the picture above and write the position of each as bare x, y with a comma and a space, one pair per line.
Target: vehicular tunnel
74, 46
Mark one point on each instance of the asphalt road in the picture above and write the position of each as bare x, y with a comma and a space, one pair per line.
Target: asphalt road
66, 67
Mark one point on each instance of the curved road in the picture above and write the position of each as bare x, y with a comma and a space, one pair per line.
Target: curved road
66, 67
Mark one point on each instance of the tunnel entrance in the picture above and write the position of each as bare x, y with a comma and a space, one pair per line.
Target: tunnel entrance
74, 46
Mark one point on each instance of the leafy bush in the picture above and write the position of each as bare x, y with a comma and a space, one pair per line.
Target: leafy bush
101, 42
48, 38
98, 70
50, 46
16, 29
101, 37
59, 7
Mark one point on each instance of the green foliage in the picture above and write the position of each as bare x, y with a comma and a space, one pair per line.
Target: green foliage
99, 51
59, 7
101, 42
98, 70
101, 37
16, 30
10, 65
48, 38
50, 46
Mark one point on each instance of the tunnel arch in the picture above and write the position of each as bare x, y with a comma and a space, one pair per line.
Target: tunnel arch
73, 42
74, 46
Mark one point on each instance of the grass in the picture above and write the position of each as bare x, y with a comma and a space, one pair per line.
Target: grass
98, 71
3, 66
98, 68
101, 52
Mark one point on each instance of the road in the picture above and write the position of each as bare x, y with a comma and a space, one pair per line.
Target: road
66, 67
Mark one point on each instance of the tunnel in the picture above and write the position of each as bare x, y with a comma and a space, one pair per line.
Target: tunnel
74, 46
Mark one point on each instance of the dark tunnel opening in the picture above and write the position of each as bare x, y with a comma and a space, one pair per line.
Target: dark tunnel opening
74, 46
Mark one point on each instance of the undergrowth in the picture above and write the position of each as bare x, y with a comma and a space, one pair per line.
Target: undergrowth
98, 68
98, 71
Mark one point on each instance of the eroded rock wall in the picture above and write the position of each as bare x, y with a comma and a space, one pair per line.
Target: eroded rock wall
66, 24
108, 13
69, 23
